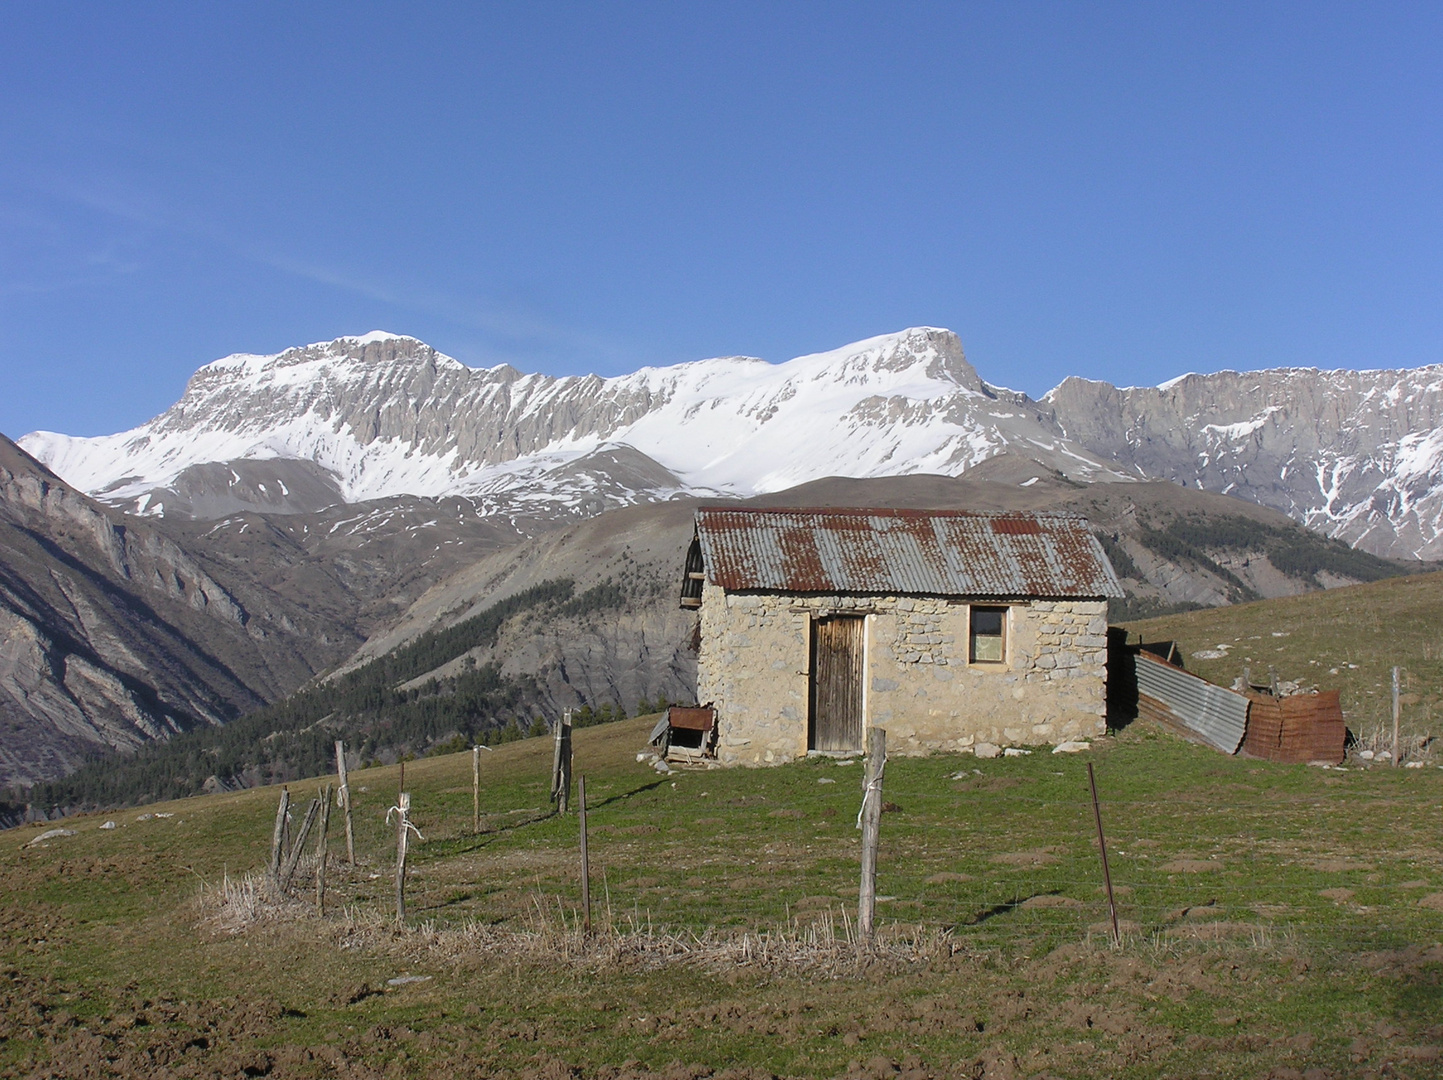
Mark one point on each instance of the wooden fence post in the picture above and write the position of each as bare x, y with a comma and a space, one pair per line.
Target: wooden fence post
321, 850
475, 789
1102, 847
585, 860
566, 763
278, 841
344, 796
403, 825
561, 764
298, 848
556, 756
1397, 710
870, 822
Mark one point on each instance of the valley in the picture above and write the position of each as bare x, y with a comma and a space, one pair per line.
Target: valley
296, 517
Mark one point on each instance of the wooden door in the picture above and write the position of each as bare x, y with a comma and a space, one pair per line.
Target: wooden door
836, 712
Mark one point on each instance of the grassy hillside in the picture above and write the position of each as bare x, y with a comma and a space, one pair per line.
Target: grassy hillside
1275, 917
1347, 639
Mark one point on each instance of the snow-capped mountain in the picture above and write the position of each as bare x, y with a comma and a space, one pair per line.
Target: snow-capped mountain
367, 417
1356, 454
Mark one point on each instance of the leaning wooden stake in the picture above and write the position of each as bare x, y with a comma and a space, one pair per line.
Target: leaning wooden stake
556, 758
869, 820
1102, 847
321, 850
585, 859
475, 789
565, 800
402, 810
298, 848
343, 800
561, 764
1397, 710
278, 842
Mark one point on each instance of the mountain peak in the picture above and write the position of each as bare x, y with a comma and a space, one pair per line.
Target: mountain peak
379, 414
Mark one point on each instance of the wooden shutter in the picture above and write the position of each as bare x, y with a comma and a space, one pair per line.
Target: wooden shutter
837, 648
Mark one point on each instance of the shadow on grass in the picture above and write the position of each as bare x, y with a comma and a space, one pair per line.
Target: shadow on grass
1003, 908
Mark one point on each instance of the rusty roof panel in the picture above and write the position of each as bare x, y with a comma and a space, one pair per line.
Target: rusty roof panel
937, 553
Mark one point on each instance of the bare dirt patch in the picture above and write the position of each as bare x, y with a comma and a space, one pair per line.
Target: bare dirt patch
1192, 866
1033, 903
1025, 858
1337, 866
813, 903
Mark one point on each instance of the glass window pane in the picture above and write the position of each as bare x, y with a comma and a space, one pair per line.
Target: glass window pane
988, 635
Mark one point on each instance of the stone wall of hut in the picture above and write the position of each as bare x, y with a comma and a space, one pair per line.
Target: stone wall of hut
919, 685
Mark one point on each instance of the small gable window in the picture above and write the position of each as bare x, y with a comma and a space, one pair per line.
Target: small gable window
988, 635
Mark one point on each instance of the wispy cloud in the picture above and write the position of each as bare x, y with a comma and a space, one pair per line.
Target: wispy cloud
507, 333
504, 322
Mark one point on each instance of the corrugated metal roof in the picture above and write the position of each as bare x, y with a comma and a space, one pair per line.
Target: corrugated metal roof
918, 552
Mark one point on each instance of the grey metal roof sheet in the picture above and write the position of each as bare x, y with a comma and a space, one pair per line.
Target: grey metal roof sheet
919, 552
1216, 714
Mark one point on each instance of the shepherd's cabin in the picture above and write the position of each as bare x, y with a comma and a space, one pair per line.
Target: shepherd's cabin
950, 630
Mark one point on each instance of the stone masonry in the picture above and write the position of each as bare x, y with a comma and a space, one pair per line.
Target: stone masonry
919, 685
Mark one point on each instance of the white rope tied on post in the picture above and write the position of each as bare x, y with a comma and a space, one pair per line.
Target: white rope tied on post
406, 822
872, 788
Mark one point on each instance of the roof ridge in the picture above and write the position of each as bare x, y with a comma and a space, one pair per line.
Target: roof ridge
888, 511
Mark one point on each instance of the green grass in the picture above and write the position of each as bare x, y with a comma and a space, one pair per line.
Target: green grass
1232, 949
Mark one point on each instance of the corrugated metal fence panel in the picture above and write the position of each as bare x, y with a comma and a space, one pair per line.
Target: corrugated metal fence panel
1218, 715
941, 553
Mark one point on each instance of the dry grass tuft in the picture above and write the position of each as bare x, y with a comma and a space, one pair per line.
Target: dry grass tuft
237, 904
825, 946
1380, 738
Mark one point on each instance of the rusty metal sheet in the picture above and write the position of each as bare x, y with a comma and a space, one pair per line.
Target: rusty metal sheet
918, 552
692, 718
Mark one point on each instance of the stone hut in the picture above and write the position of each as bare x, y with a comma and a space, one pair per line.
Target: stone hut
951, 630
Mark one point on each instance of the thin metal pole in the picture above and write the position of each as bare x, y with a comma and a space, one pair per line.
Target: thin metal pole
1102, 847
475, 789
585, 858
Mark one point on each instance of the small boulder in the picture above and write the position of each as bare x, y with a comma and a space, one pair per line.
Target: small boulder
50, 834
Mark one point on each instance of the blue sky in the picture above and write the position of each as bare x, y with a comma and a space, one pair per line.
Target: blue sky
1121, 191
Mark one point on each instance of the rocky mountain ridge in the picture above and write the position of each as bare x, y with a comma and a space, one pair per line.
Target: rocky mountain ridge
118, 630
1354, 454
